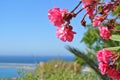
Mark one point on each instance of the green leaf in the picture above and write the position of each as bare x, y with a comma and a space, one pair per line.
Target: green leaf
118, 50
113, 48
118, 65
116, 10
115, 38
92, 64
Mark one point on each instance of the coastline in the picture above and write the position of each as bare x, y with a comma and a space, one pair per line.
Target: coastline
11, 70
26, 66
11, 65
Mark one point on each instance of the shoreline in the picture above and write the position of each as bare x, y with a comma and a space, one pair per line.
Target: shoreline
26, 66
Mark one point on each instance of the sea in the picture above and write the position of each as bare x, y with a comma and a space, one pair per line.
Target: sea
11, 66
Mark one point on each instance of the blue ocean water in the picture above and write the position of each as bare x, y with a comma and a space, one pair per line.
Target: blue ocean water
32, 59
6, 71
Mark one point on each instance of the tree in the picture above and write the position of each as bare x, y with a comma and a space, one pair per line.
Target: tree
99, 13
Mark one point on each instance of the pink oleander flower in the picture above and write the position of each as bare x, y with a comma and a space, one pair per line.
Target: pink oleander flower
56, 15
114, 73
100, 56
89, 1
104, 56
103, 68
65, 33
89, 6
107, 4
104, 32
97, 21
90, 11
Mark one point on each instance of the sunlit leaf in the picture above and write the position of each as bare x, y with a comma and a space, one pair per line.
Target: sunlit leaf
118, 64
113, 48
116, 10
115, 37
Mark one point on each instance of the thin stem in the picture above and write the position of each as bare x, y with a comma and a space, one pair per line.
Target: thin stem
79, 11
116, 17
82, 9
76, 7
84, 16
101, 3
118, 23
115, 30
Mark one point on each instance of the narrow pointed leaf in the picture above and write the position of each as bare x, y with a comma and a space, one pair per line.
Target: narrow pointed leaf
116, 10
115, 37
113, 48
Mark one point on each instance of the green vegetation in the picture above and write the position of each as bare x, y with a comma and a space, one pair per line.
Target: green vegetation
60, 70
57, 70
94, 43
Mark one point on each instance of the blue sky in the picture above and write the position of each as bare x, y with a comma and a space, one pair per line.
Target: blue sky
26, 30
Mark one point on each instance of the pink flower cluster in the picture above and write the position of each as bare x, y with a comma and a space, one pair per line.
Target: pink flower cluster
56, 15
87, 1
104, 56
114, 73
105, 64
97, 21
64, 32
104, 32
89, 6
90, 11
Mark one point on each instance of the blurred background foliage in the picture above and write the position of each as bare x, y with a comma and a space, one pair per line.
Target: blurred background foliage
93, 43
